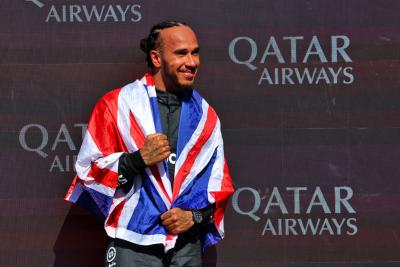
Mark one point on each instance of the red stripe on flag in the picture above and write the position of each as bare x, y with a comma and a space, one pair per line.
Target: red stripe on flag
136, 131
194, 152
104, 176
138, 137
103, 123
113, 106
115, 214
156, 174
221, 198
71, 187
149, 79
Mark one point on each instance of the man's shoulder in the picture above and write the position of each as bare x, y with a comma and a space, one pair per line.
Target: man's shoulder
200, 99
112, 95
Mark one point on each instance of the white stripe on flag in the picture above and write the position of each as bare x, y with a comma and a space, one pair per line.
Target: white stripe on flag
88, 153
105, 190
202, 158
189, 145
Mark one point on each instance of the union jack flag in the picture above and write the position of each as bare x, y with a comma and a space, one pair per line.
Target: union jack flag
119, 123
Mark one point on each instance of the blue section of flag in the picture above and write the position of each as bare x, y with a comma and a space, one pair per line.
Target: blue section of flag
148, 211
86, 201
103, 201
195, 195
209, 236
191, 113
156, 114
157, 124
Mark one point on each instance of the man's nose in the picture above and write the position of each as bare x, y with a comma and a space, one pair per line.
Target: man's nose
191, 61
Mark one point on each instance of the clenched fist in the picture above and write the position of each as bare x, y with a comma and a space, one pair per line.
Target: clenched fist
155, 149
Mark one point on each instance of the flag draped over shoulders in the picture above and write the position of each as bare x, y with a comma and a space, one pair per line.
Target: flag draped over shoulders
119, 123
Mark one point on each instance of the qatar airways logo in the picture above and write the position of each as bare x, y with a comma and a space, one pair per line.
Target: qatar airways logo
86, 13
284, 61
56, 147
298, 210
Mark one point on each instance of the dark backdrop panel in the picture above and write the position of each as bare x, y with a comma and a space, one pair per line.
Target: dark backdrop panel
314, 158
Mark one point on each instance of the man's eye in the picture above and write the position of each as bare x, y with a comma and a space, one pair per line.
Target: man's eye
181, 53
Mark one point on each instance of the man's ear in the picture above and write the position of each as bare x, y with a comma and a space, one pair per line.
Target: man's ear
155, 58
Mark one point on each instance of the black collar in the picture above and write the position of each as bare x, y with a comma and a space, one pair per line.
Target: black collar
168, 98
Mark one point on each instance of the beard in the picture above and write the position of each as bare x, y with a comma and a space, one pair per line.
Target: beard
172, 82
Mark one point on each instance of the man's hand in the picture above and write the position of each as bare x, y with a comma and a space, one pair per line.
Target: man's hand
155, 149
177, 220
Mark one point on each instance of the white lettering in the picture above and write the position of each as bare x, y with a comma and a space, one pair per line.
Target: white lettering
56, 164
296, 197
290, 226
111, 13
338, 226
275, 51
322, 76
93, 11
53, 14
63, 131
351, 224
286, 75
326, 226
137, 15
279, 202
123, 12
346, 72
339, 201
321, 201
315, 49
309, 225
256, 206
293, 46
74, 11
265, 76
341, 50
43, 143
252, 56
269, 227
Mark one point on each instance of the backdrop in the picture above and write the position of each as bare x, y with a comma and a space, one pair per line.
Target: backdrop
307, 93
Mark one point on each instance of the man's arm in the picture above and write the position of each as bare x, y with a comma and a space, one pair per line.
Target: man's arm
130, 165
154, 150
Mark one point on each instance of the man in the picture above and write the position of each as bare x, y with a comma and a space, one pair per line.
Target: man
152, 161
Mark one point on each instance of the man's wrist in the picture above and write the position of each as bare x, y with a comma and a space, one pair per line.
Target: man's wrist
136, 159
203, 216
197, 217
130, 164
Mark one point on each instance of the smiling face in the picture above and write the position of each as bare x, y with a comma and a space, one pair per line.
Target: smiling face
177, 59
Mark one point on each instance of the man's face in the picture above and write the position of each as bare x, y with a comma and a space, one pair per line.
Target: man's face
179, 57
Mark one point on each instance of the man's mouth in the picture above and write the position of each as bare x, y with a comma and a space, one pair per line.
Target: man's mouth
188, 74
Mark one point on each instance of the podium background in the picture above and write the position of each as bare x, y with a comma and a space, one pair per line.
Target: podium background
322, 135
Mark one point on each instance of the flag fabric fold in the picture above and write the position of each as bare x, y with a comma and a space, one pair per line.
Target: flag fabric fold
119, 123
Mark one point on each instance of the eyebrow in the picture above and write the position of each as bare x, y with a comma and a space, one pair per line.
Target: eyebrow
185, 50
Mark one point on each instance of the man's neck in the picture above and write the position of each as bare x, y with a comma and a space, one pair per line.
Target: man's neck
159, 81
161, 86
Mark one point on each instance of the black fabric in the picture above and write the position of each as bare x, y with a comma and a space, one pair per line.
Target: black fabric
169, 106
130, 165
187, 252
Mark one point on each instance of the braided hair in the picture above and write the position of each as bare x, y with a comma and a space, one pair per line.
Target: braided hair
152, 41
